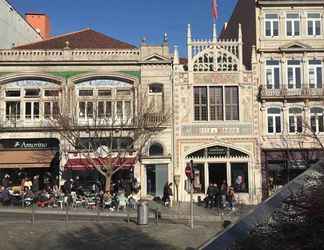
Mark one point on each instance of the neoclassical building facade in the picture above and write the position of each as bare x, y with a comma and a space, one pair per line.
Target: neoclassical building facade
85, 74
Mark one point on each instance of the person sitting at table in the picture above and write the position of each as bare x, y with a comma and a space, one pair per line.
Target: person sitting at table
4, 196
6, 182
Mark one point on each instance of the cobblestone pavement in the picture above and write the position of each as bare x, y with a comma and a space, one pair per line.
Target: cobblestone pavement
102, 236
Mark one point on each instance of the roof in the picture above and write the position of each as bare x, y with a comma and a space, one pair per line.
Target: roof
83, 39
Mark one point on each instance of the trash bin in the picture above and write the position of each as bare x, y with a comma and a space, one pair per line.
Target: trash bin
142, 213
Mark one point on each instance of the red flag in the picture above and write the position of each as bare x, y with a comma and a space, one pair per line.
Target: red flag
214, 10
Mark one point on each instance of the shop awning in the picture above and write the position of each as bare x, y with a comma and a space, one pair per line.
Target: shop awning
84, 164
26, 158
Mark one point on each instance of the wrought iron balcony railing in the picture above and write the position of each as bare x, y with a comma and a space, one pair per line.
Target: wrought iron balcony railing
285, 92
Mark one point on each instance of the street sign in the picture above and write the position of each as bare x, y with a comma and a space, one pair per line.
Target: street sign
188, 170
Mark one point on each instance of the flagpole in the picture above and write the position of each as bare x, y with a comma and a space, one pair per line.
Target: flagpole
214, 12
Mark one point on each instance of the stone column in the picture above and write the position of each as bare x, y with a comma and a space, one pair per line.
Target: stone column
283, 70
305, 79
285, 120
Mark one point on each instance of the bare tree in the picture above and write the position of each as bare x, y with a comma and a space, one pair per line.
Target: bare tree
106, 140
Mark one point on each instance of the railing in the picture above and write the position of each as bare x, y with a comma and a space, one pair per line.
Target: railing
285, 92
69, 54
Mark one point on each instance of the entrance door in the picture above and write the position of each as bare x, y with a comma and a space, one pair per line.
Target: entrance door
156, 177
217, 173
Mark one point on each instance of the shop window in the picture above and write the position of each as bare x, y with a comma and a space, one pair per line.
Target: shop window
240, 177
272, 74
274, 120
199, 178
12, 110
156, 149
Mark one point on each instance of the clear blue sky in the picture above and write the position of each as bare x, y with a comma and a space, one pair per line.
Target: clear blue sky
130, 20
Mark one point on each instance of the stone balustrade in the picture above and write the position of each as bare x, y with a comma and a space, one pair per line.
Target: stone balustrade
69, 55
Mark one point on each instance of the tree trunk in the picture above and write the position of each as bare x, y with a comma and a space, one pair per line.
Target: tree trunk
108, 182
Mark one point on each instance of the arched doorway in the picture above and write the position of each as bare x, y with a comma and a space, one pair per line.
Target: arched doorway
219, 164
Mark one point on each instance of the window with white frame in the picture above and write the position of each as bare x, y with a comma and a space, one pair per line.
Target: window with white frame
316, 119
12, 110
294, 74
105, 99
272, 74
315, 76
292, 24
271, 25
295, 120
216, 103
314, 24
274, 120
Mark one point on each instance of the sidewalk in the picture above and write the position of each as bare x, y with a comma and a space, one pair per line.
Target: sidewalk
179, 212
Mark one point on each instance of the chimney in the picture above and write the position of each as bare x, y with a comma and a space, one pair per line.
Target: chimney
40, 22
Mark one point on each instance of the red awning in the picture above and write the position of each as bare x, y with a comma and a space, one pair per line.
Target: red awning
84, 164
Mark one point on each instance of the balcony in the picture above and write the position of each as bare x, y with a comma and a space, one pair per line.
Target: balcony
283, 92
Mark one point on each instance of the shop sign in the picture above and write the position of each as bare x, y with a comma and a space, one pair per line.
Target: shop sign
217, 151
28, 143
216, 130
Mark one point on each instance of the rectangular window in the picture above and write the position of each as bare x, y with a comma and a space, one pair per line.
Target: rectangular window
274, 120
32, 93
216, 103
314, 24
90, 109
119, 109
31, 110
240, 177
294, 74
12, 93
231, 103
272, 74
315, 74
127, 105
84, 92
47, 109
200, 104
12, 110
292, 24
123, 92
104, 92
82, 109
101, 109
51, 92
109, 109
271, 25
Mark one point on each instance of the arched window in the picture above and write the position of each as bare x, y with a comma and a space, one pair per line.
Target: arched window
295, 120
316, 120
156, 149
274, 120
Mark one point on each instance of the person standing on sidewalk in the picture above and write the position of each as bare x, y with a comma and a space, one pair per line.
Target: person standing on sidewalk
231, 198
167, 193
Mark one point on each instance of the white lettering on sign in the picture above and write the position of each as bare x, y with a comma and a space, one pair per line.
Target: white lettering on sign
30, 145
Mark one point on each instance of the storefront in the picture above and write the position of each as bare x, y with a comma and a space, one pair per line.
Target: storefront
281, 166
219, 164
29, 157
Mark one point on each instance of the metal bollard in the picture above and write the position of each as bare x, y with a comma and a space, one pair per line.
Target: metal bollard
98, 211
33, 213
67, 212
